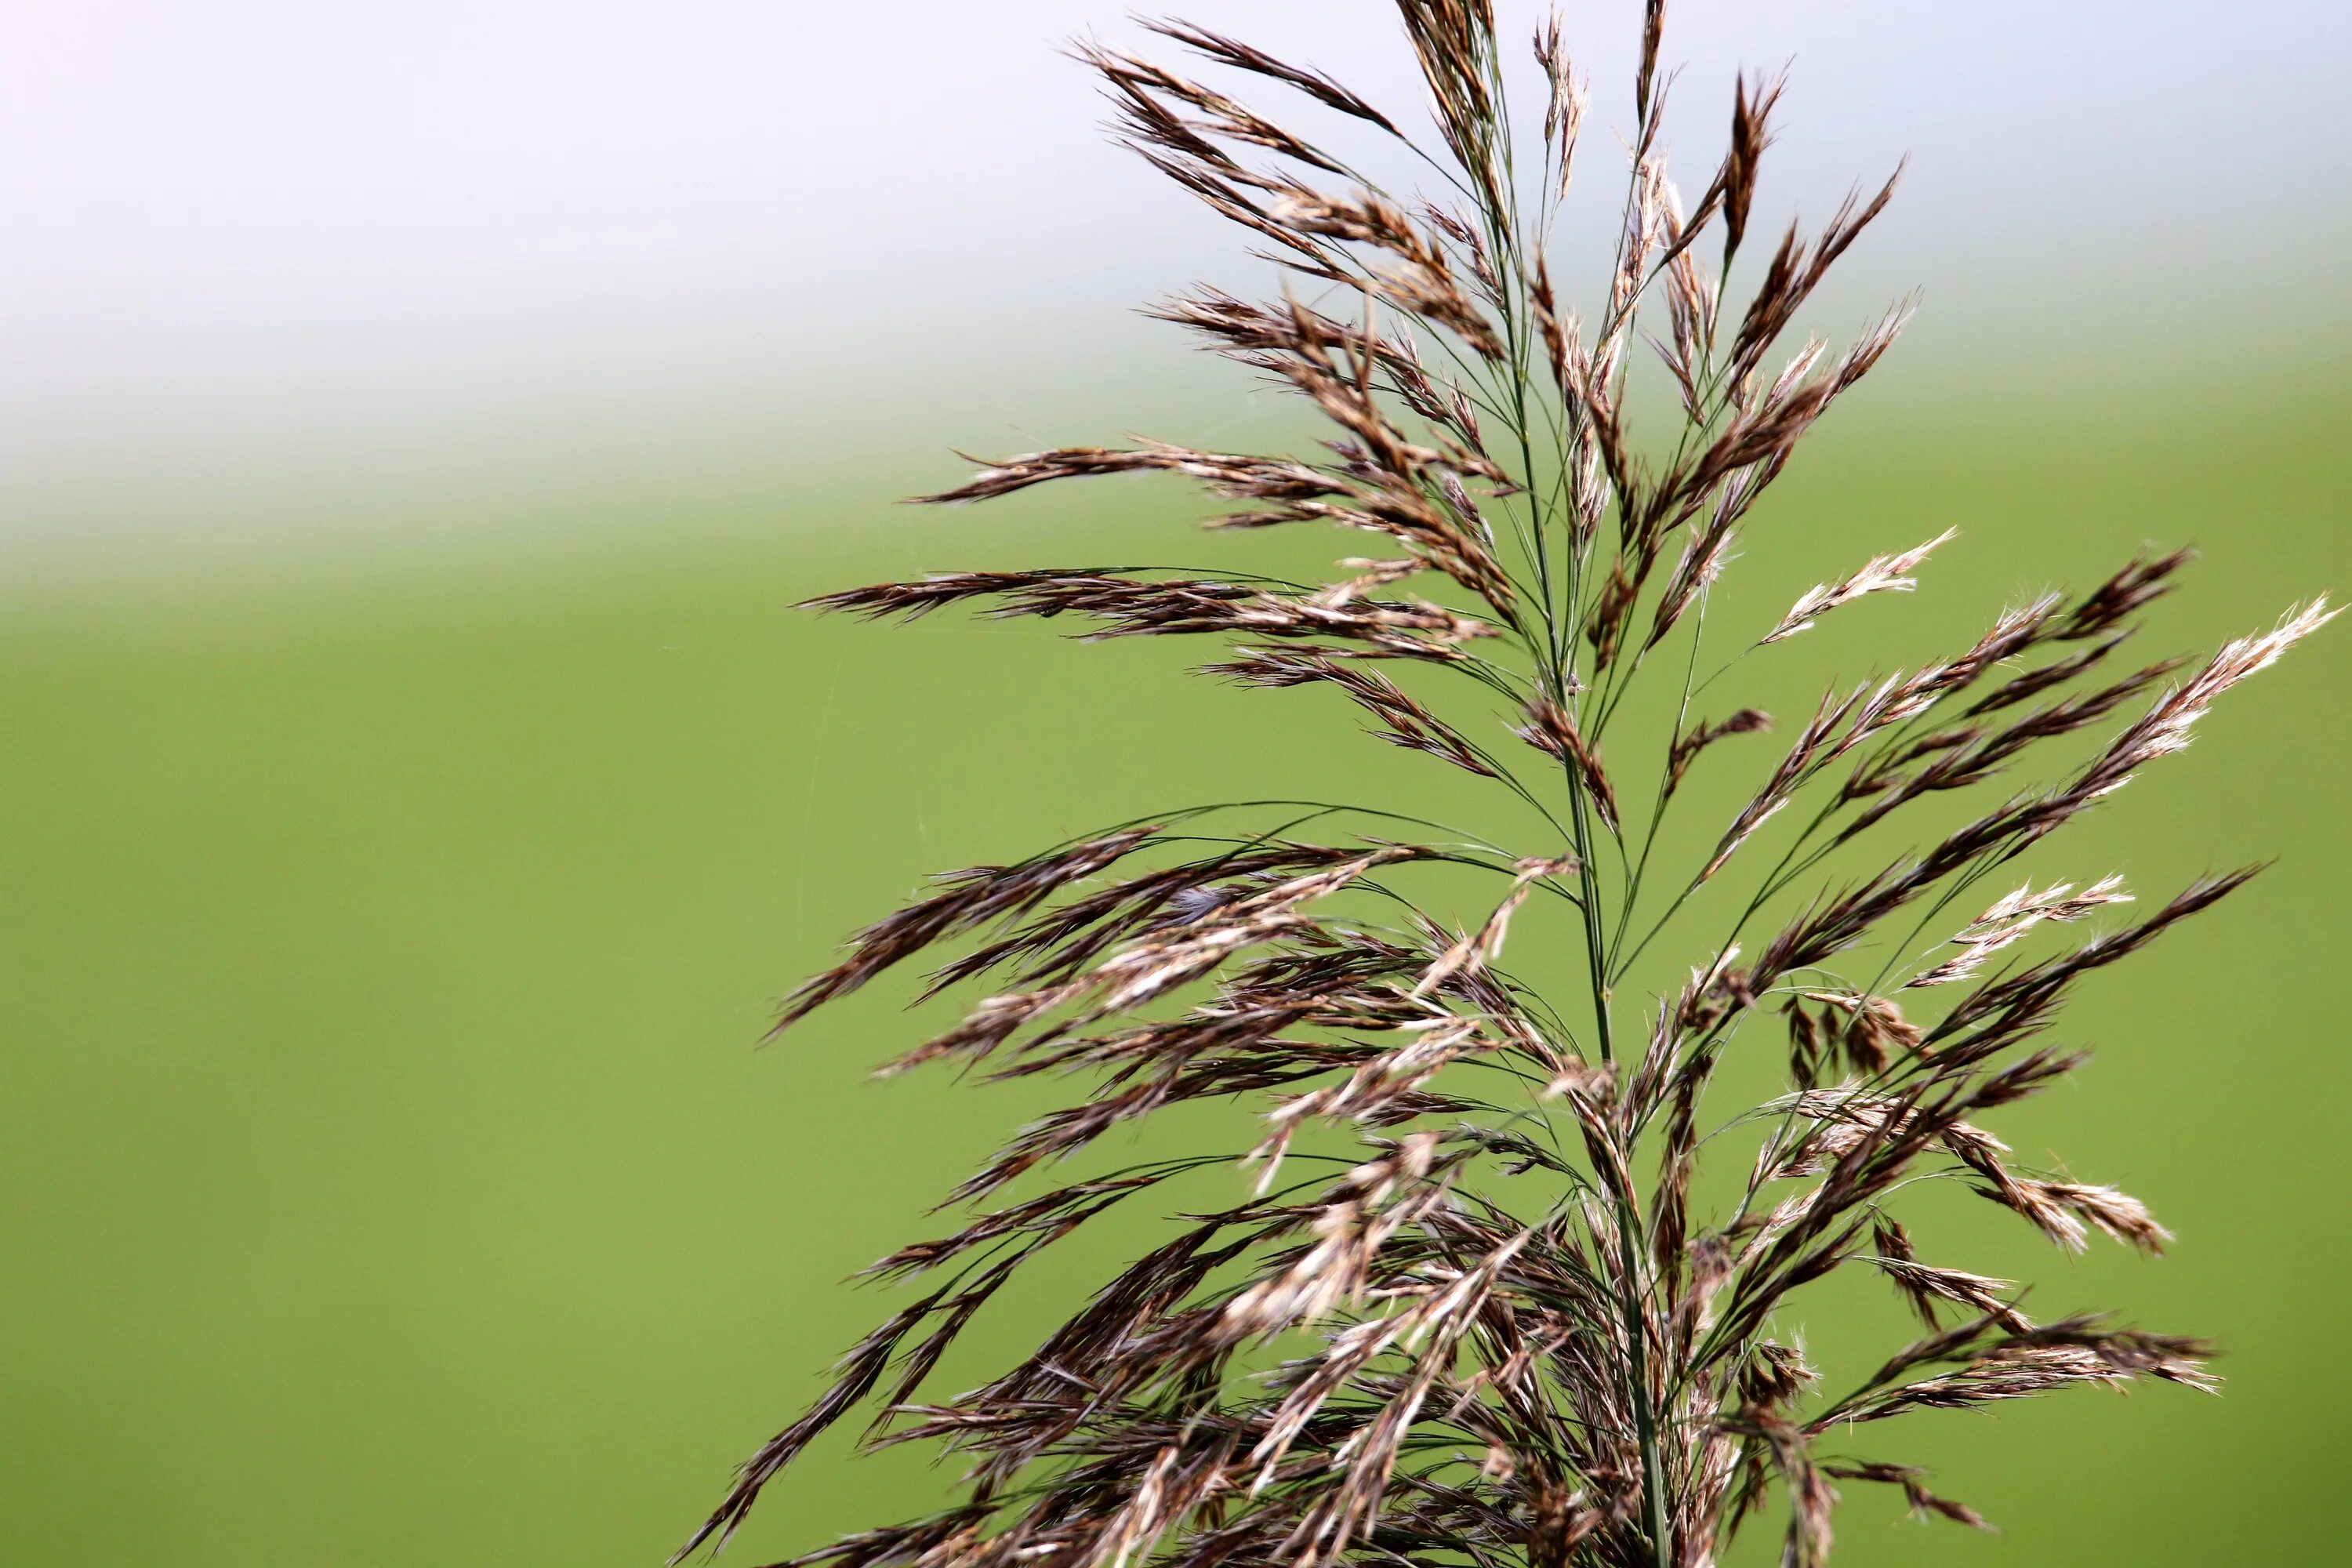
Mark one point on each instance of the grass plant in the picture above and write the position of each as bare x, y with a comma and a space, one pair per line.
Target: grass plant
1477, 1303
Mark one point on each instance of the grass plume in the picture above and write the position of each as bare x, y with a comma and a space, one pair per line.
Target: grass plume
1505, 1329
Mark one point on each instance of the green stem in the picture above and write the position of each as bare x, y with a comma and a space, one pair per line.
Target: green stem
1637, 1337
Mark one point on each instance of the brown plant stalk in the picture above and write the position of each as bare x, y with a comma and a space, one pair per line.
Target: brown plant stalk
1505, 1329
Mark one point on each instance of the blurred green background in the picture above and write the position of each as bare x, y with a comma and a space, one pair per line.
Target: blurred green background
392, 1175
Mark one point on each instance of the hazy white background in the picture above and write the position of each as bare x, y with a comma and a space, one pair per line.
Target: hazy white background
292, 276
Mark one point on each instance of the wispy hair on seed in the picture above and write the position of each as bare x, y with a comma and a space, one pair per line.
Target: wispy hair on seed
1505, 1329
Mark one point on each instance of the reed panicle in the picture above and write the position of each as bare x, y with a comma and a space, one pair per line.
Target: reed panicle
1506, 1329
